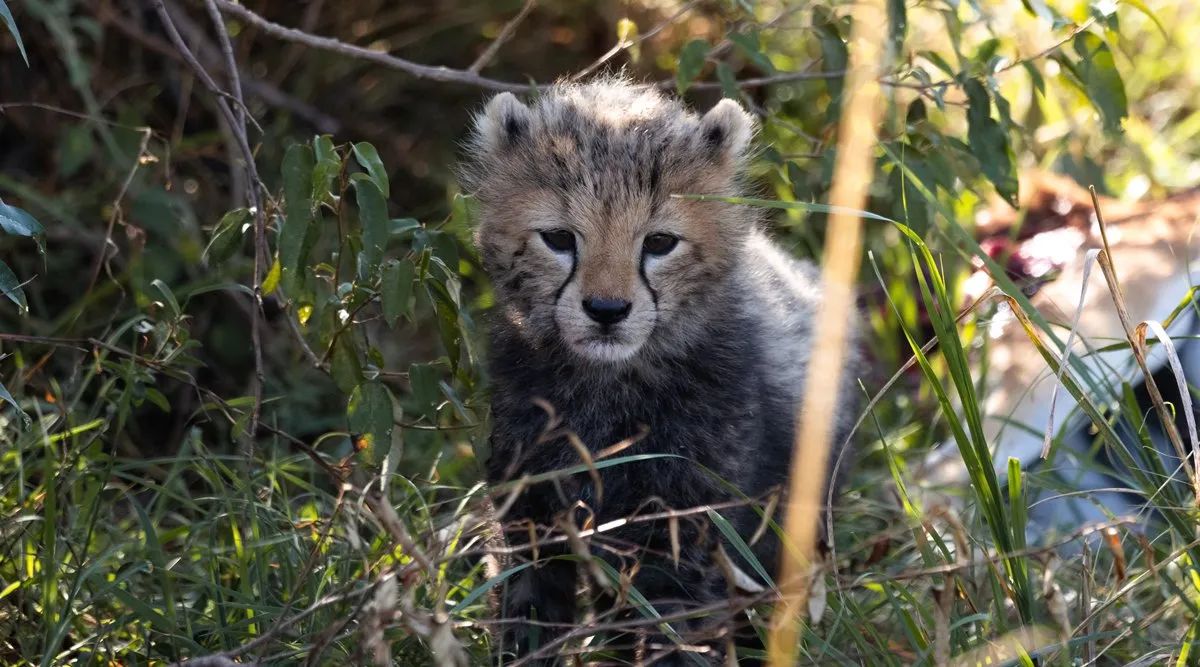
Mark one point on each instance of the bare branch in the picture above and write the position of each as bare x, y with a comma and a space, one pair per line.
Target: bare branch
624, 45
238, 125
505, 34
433, 73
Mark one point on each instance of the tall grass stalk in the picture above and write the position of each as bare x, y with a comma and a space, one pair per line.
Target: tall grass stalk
851, 178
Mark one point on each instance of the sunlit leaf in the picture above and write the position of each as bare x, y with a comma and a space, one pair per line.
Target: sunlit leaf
1097, 71
1035, 76
989, 142
1141, 7
272, 280
1037, 8
627, 33
938, 61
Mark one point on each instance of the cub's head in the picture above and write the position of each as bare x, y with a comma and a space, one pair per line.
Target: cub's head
578, 232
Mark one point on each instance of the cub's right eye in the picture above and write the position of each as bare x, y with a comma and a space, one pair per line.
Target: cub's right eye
559, 240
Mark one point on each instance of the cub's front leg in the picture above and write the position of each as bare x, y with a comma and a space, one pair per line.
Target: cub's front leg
538, 606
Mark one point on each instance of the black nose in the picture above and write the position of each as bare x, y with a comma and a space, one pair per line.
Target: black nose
607, 311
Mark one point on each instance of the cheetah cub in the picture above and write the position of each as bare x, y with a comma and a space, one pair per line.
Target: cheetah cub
634, 315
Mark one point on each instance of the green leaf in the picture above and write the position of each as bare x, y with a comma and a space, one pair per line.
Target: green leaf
1035, 76
1037, 8
908, 204
442, 244
75, 149
156, 397
916, 113
8, 398
17, 222
11, 23
984, 54
324, 149
227, 237
172, 302
729, 83
897, 26
834, 55
368, 157
423, 378
748, 44
12, 288
402, 227
742, 548
485, 586
691, 63
397, 289
938, 61
345, 366
272, 280
989, 142
627, 34
369, 415
298, 215
372, 212
323, 174
1098, 73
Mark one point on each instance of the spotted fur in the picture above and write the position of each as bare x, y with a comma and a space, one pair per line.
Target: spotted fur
709, 362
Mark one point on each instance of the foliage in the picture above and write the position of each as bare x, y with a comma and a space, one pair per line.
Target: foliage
152, 509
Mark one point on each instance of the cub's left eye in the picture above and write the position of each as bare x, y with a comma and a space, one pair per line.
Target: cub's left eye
559, 240
659, 244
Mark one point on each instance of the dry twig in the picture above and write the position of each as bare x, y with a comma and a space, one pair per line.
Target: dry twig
238, 124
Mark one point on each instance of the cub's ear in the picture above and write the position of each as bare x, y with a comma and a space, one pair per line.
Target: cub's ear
504, 122
727, 129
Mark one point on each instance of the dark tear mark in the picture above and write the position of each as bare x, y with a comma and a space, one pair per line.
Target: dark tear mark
574, 257
570, 276
646, 281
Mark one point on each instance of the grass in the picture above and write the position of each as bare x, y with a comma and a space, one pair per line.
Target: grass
149, 561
